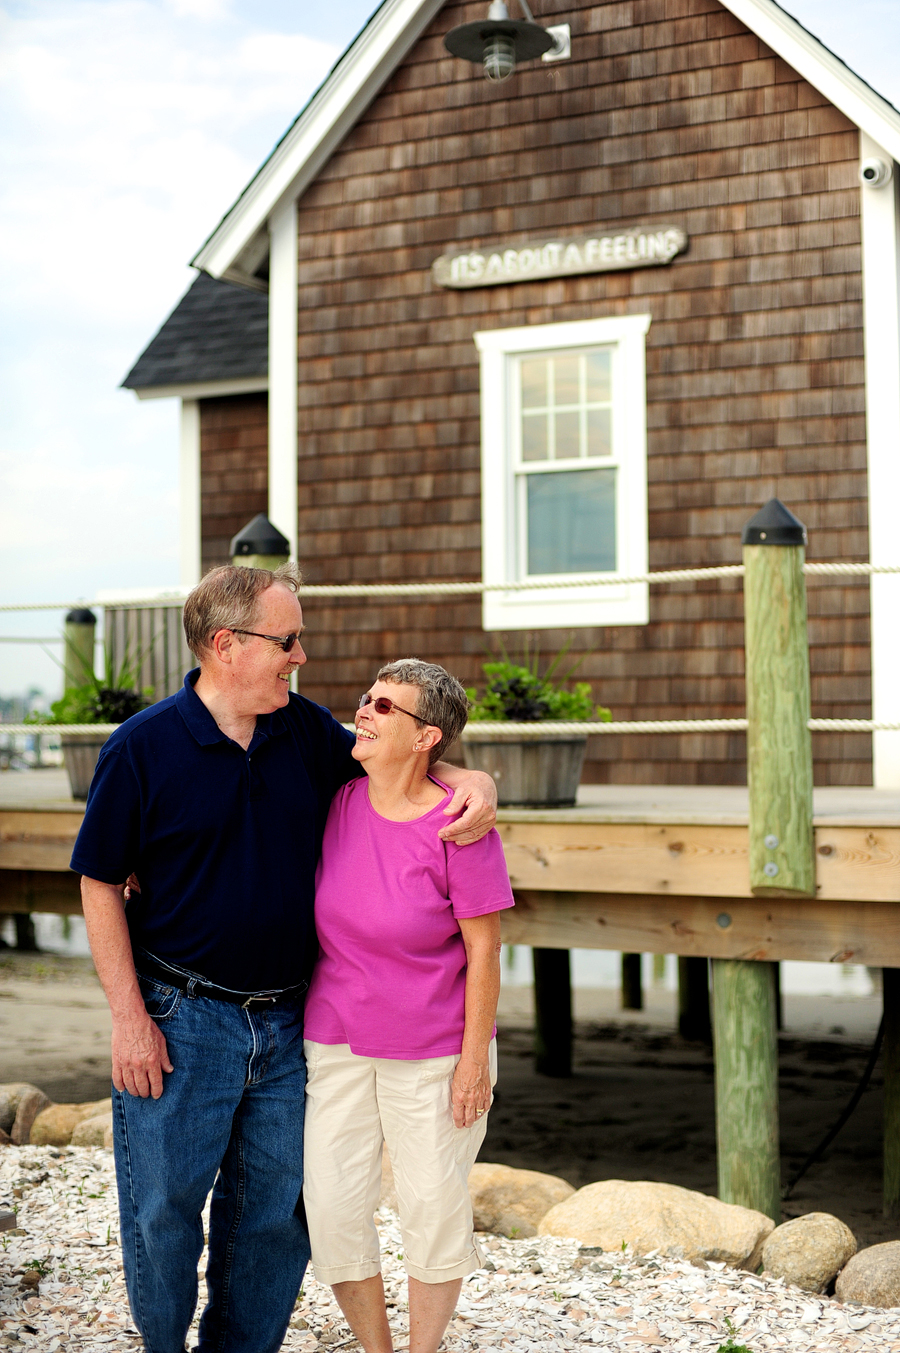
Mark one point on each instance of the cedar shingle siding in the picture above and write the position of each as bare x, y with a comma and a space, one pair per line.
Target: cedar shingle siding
234, 438
669, 111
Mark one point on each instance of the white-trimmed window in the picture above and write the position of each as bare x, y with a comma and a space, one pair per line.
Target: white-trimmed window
564, 471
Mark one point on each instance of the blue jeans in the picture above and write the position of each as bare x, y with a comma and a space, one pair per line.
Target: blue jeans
230, 1119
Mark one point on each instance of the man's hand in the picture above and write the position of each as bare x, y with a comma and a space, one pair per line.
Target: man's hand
476, 792
139, 1057
470, 1092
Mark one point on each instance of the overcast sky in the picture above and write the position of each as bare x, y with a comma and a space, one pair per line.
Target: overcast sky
130, 126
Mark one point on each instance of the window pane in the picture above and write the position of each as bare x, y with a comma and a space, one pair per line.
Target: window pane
534, 437
599, 432
567, 435
565, 380
598, 375
572, 522
534, 382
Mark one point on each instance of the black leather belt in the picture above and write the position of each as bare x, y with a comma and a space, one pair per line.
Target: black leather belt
194, 985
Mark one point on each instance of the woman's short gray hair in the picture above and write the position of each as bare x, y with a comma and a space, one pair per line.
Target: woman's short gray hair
442, 700
227, 598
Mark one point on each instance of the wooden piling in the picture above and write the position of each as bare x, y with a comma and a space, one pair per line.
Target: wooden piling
746, 1056
552, 1012
779, 747
693, 999
632, 990
891, 1064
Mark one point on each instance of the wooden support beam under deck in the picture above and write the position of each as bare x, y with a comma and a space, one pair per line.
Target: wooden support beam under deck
711, 927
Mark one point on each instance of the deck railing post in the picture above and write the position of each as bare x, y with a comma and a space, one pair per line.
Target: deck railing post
782, 862
78, 655
779, 747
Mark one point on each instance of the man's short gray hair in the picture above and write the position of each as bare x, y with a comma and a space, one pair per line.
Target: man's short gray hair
228, 598
442, 700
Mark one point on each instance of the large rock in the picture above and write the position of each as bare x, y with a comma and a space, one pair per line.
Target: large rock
678, 1222
809, 1251
54, 1126
20, 1104
872, 1277
96, 1131
511, 1202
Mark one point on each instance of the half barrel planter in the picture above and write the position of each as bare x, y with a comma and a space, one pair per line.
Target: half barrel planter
80, 754
538, 771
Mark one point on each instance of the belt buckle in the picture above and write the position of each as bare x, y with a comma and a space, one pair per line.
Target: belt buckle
250, 1000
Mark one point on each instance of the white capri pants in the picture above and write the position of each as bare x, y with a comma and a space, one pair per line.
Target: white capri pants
355, 1104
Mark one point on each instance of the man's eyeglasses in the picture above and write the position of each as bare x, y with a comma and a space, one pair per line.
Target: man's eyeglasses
286, 643
382, 705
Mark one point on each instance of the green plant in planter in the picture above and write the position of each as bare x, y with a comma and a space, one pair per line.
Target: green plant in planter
516, 692
110, 698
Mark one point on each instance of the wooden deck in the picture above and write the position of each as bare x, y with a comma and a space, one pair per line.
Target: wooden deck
652, 869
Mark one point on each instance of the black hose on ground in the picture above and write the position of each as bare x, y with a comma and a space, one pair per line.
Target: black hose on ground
833, 1131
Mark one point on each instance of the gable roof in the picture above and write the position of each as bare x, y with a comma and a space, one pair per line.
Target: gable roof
239, 242
217, 332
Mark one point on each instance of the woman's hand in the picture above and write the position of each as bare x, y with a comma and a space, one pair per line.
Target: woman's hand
470, 1091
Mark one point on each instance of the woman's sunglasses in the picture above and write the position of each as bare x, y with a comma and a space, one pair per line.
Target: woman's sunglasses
382, 705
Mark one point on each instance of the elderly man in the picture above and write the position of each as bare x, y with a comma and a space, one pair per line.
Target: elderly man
216, 798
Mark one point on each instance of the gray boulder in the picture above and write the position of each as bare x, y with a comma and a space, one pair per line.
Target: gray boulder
20, 1104
872, 1277
96, 1131
10, 1097
809, 1251
510, 1202
388, 1187
54, 1126
678, 1222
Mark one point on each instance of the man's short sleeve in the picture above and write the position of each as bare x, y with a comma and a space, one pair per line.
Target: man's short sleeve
108, 843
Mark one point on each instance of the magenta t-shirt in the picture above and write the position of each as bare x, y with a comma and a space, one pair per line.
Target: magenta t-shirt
391, 976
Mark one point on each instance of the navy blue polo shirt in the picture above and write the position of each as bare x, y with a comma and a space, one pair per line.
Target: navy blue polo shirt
224, 842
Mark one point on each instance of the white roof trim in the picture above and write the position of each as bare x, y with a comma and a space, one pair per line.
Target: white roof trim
330, 114
822, 69
370, 61
241, 385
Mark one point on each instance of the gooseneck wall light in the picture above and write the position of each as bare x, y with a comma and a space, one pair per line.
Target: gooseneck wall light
498, 42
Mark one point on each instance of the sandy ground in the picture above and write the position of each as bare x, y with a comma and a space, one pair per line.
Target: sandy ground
639, 1106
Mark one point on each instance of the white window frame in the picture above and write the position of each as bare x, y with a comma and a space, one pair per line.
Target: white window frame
616, 604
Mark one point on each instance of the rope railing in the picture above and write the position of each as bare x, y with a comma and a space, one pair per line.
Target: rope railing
487, 730
447, 588
482, 731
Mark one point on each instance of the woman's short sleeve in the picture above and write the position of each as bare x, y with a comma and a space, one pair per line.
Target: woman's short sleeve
477, 877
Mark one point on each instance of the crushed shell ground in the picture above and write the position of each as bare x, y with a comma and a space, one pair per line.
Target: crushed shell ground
534, 1295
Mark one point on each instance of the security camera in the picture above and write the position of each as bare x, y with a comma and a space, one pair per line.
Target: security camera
874, 173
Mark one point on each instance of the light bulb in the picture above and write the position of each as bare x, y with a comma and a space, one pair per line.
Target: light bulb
499, 56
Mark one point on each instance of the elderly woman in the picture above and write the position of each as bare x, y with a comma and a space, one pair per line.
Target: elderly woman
399, 1026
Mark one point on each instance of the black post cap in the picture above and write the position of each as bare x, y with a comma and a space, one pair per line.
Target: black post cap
259, 536
774, 524
81, 616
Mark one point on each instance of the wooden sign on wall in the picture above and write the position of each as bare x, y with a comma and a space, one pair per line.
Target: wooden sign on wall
640, 247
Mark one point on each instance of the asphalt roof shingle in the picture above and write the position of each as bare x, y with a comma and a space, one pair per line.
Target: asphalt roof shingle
217, 331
